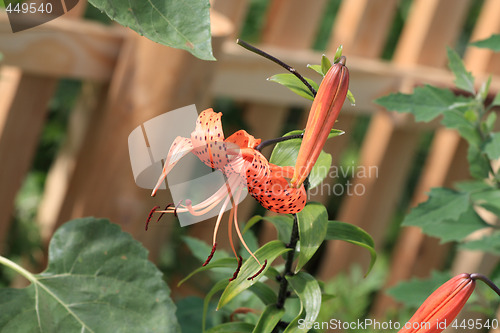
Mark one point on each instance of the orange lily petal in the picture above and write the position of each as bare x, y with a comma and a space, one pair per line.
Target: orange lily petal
443, 305
322, 116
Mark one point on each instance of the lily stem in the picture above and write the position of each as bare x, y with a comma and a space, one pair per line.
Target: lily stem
277, 61
269, 142
489, 283
294, 237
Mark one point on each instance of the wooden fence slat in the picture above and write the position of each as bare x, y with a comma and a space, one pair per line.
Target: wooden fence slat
62, 48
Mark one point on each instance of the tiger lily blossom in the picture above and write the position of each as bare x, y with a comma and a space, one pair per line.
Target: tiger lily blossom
442, 306
324, 111
243, 167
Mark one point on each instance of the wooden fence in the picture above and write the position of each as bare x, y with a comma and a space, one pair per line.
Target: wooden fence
128, 79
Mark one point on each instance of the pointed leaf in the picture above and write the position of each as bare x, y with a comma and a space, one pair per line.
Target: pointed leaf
479, 164
98, 280
221, 263
294, 84
442, 204
219, 286
269, 251
317, 69
285, 154
426, 103
201, 250
496, 100
492, 43
312, 221
489, 199
352, 234
351, 98
325, 64
338, 54
309, 292
268, 319
180, 24
463, 79
283, 224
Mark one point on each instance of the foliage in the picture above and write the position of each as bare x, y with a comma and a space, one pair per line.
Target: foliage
98, 279
180, 24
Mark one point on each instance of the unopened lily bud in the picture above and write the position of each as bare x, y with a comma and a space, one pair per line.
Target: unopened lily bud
324, 112
442, 306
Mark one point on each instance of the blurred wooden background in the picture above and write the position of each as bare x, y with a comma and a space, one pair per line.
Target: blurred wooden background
128, 80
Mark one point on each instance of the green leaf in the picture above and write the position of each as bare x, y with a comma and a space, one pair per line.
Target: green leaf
457, 120
180, 24
351, 98
492, 43
221, 263
98, 280
268, 319
496, 100
312, 221
455, 230
489, 200
490, 244
188, 313
338, 54
201, 250
309, 292
484, 90
335, 132
317, 69
472, 186
265, 293
492, 148
442, 204
234, 327
463, 79
325, 64
489, 123
479, 164
294, 84
285, 154
269, 251
352, 234
414, 292
426, 103
283, 224
221, 285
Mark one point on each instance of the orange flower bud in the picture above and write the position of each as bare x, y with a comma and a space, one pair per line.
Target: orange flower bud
442, 306
324, 112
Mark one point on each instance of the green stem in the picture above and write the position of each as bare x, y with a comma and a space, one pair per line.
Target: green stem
294, 237
6, 262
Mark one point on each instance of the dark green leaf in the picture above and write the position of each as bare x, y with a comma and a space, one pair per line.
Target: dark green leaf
312, 221
442, 204
472, 186
479, 164
285, 154
219, 286
201, 250
268, 319
294, 84
492, 148
235, 327
309, 292
325, 64
283, 224
352, 234
98, 280
180, 24
492, 43
250, 267
455, 230
264, 293
463, 79
490, 244
426, 103
414, 292
188, 313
